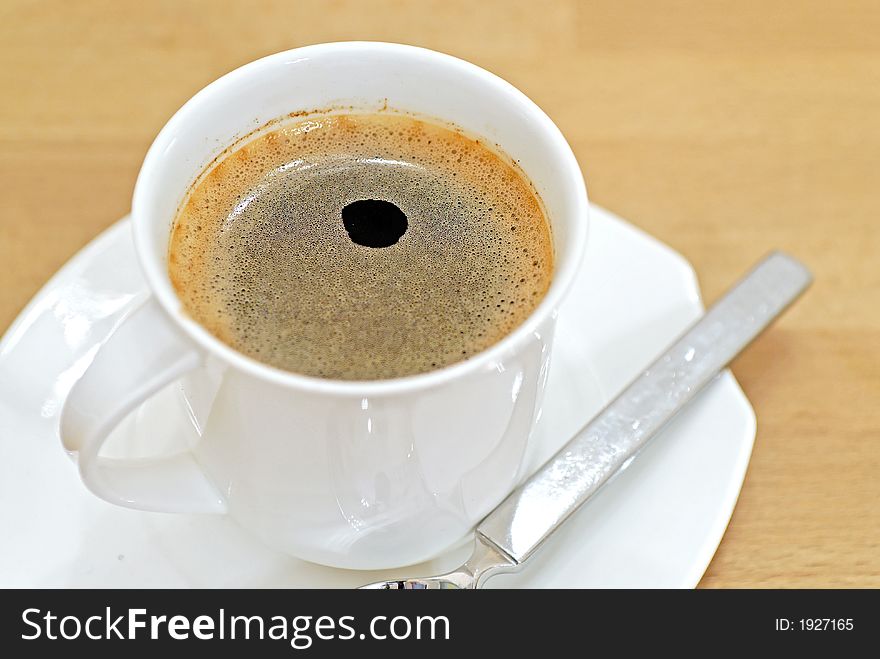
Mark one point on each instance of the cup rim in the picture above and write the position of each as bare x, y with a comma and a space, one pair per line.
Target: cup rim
486, 359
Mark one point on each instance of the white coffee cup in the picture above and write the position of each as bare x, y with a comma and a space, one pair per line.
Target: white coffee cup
351, 474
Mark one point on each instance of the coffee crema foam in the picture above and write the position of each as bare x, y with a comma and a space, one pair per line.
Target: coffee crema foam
261, 257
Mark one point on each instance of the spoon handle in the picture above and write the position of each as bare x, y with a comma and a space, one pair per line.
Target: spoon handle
608, 443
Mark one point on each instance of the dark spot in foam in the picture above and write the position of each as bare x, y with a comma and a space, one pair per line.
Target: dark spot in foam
374, 223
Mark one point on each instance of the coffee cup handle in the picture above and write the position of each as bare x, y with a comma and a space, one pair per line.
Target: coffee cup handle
143, 354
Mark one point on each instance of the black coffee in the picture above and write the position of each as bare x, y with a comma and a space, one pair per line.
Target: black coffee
374, 222
361, 247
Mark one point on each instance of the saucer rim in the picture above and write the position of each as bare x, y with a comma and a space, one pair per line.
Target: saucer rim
736, 474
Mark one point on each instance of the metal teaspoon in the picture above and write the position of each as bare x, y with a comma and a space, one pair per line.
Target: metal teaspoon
510, 534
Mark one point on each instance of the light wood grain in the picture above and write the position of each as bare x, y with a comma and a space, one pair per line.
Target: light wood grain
724, 129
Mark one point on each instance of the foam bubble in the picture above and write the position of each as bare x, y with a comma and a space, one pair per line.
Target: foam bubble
260, 255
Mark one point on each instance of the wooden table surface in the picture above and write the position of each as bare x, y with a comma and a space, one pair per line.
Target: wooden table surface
724, 129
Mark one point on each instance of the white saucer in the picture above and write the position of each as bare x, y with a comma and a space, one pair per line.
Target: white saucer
656, 526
